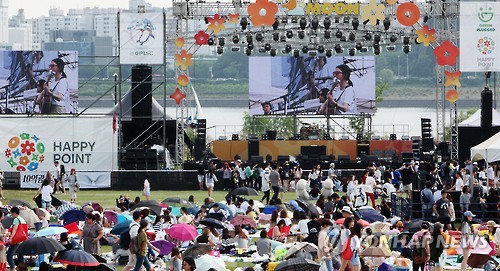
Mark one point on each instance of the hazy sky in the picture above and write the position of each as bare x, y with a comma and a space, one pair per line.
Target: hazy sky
36, 8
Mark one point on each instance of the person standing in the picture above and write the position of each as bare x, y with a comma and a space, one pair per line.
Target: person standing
46, 191
427, 199
210, 180
16, 223
91, 234
324, 246
226, 176
146, 192
467, 238
274, 178
56, 175
265, 187
442, 210
436, 247
201, 174
73, 185
143, 244
420, 247
133, 229
370, 187
57, 87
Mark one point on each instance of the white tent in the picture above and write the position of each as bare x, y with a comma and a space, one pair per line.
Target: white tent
475, 119
488, 150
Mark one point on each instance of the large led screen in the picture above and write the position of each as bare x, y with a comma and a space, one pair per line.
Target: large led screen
38, 82
312, 85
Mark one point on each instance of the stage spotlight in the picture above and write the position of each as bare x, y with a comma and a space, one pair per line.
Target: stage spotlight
343, 39
377, 38
220, 50
352, 36
250, 46
328, 34
368, 36
276, 36
327, 23
359, 46
312, 53
346, 19
305, 49
222, 41
276, 23
387, 23
235, 49
355, 23
210, 41
315, 23
337, 19
352, 51
289, 34
288, 48
363, 50
406, 49
296, 53
301, 34
393, 38
249, 39
376, 45
267, 47
243, 23
390, 47
273, 52
283, 38
248, 51
406, 40
376, 51
338, 34
416, 41
236, 39
294, 20
259, 37
302, 23
284, 20
426, 18
328, 53
262, 50
338, 48
321, 49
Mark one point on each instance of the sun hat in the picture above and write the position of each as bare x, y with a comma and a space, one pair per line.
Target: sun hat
491, 223
469, 213
346, 209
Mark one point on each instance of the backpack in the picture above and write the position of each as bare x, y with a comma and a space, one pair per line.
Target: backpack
425, 199
334, 239
134, 245
347, 252
125, 238
419, 253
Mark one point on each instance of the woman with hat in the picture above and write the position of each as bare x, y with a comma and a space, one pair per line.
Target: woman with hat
343, 98
494, 234
467, 238
57, 87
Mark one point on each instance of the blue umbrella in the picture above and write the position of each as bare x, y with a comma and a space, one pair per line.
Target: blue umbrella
225, 207
50, 231
120, 227
193, 210
370, 215
121, 218
73, 216
296, 206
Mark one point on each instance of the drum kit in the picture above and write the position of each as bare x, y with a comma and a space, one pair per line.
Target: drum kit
310, 131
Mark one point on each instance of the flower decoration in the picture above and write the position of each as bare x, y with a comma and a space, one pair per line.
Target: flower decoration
290, 5
233, 18
426, 35
216, 23
391, 2
452, 95
408, 14
184, 59
262, 12
201, 38
446, 54
452, 78
179, 42
24, 160
182, 80
372, 12
178, 96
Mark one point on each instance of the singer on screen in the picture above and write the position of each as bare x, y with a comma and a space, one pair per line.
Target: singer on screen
342, 99
57, 88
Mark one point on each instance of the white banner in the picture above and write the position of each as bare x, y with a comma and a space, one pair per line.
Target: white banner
479, 33
142, 38
34, 143
91, 179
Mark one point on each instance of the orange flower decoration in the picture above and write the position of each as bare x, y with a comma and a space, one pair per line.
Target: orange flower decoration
290, 5
184, 59
426, 35
179, 42
262, 12
233, 18
446, 54
201, 38
391, 2
216, 23
451, 95
408, 14
182, 80
452, 79
178, 96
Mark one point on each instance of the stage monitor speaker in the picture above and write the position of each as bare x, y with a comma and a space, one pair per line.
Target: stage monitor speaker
371, 158
256, 159
363, 150
406, 157
486, 109
283, 158
344, 158
142, 94
271, 135
253, 148
313, 150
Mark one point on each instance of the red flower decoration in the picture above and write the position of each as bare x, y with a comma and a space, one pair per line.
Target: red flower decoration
178, 96
28, 147
426, 35
262, 12
8, 153
446, 54
201, 38
452, 95
452, 79
42, 157
233, 18
408, 14
216, 23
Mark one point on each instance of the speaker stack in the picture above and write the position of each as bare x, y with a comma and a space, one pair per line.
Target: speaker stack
201, 138
486, 109
427, 139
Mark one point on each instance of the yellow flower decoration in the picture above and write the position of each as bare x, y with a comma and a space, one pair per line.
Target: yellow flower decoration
452, 95
426, 35
452, 78
233, 18
179, 42
373, 12
391, 2
182, 80
184, 59
216, 23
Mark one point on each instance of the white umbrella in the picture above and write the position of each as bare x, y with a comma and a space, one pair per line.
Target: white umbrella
206, 262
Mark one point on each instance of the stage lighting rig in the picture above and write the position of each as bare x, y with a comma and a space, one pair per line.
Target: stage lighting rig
276, 36
359, 46
406, 40
276, 23
376, 51
302, 23
267, 47
328, 53
406, 49
250, 46
220, 50
338, 34
328, 34
210, 41
236, 39
296, 53
387, 23
368, 36
289, 34
249, 39
338, 48
393, 38
259, 36
305, 49
355, 23
301, 34
321, 49
377, 38
222, 41
288, 48
248, 51
273, 52
390, 48
346, 19
315, 23
327, 23
243, 23
352, 36
283, 38
352, 51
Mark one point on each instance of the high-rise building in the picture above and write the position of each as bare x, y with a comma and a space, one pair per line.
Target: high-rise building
4, 21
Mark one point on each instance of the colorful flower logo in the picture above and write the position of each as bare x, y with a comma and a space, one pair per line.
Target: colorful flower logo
201, 38
373, 12
262, 12
452, 78
216, 23
178, 96
179, 42
25, 152
446, 54
426, 35
452, 95
233, 18
183, 59
486, 45
408, 14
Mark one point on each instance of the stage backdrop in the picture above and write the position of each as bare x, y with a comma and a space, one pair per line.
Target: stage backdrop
33, 144
21, 70
290, 85
479, 34
85, 179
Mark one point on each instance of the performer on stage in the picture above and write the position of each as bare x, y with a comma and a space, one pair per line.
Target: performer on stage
343, 98
266, 107
57, 87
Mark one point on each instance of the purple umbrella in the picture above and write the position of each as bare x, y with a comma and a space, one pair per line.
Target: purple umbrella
111, 216
164, 246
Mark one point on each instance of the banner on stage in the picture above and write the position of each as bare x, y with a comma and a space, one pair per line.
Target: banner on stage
34, 144
142, 38
86, 179
479, 35
22, 76
307, 85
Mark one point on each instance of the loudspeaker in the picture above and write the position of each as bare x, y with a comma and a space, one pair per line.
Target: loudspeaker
199, 147
363, 150
313, 150
427, 144
256, 159
392, 137
371, 158
486, 108
253, 148
406, 157
142, 94
426, 127
283, 158
271, 135
344, 158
